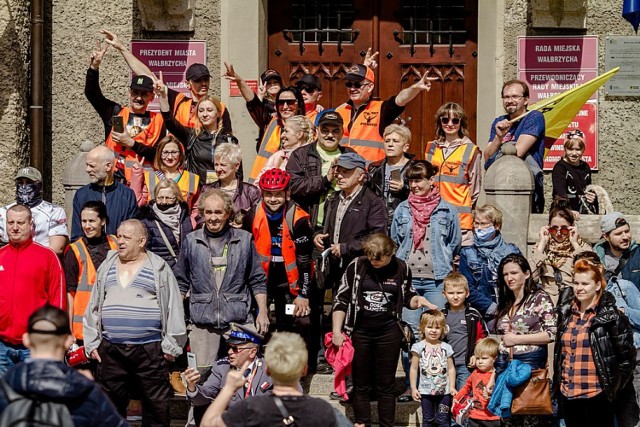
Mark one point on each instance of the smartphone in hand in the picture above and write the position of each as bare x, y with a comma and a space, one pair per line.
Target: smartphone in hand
117, 124
191, 360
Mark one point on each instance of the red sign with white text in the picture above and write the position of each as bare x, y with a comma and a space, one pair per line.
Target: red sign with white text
558, 53
234, 90
172, 57
556, 64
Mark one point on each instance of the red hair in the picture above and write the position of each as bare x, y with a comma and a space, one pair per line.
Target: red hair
584, 266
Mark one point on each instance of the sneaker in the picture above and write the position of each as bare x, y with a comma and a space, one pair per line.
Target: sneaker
324, 368
335, 396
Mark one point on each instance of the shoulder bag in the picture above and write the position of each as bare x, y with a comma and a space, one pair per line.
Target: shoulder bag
534, 396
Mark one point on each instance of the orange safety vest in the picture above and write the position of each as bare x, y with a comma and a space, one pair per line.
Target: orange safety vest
262, 236
188, 184
452, 178
364, 134
182, 110
311, 115
149, 136
269, 145
86, 280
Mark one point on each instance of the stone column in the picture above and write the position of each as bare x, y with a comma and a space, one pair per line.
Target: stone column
508, 184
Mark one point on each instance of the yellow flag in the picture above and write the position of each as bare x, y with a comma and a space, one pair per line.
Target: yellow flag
560, 109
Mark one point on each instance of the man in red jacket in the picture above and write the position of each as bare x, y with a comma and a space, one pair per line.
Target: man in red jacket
30, 277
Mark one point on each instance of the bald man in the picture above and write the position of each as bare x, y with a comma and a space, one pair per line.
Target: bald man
134, 324
119, 199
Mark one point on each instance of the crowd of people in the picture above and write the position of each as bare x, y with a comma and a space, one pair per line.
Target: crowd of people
175, 257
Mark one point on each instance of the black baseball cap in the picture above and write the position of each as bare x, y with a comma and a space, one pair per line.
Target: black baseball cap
309, 80
196, 72
55, 316
359, 72
271, 74
329, 116
143, 83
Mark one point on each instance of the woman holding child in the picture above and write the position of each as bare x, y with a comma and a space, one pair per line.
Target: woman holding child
594, 350
526, 321
367, 307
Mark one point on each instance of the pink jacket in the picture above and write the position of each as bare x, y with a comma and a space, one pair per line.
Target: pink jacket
340, 360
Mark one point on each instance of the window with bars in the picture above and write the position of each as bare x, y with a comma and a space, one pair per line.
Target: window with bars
433, 22
322, 21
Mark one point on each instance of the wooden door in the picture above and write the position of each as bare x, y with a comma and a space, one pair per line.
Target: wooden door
324, 37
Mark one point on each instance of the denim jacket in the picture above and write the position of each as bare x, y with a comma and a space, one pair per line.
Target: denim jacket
628, 300
244, 277
482, 284
446, 237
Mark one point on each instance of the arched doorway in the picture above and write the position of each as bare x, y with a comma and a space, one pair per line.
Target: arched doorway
324, 37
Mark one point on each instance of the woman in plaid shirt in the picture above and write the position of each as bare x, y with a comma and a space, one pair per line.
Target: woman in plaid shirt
594, 351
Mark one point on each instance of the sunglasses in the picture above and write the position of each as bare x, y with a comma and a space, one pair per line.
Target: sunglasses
564, 230
447, 120
574, 133
282, 102
356, 85
308, 89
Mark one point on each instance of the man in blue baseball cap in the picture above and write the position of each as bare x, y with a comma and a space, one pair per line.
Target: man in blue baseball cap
243, 345
352, 214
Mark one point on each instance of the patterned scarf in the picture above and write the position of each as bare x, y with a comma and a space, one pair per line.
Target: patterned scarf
421, 209
559, 252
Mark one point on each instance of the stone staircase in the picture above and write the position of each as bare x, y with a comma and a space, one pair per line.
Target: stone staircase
407, 414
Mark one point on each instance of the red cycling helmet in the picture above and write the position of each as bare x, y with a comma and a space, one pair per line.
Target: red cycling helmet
274, 180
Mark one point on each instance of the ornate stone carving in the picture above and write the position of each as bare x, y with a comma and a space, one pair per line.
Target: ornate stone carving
167, 15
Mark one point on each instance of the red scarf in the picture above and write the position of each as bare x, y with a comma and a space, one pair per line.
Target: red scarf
421, 209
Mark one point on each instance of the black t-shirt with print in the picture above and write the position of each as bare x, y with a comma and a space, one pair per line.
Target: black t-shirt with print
376, 310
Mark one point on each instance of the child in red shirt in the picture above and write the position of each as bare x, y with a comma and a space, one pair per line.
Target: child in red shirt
485, 354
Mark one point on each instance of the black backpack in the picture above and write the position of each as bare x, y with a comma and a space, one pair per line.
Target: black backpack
26, 411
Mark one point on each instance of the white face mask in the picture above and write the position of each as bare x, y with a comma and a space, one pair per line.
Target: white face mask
485, 234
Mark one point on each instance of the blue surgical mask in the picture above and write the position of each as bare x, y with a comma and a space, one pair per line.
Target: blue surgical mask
485, 234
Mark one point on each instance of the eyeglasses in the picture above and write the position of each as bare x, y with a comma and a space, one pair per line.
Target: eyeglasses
356, 85
238, 349
563, 230
308, 89
447, 120
513, 97
282, 102
482, 225
169, 153
166, 199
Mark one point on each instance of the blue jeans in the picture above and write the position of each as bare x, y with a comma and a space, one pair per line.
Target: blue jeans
462, 374
11, 355
432, 291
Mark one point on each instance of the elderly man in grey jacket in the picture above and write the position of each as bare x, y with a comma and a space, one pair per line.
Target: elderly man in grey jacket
134, 324
220, 269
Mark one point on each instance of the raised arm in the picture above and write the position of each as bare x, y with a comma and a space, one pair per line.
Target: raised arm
231, 75
406, 95
137, 66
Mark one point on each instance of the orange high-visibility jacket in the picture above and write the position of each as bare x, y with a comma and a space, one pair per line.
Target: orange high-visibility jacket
452, 178
364, 134
86, 280
149, 136
262, 236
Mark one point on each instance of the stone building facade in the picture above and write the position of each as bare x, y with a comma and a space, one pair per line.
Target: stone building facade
236, 31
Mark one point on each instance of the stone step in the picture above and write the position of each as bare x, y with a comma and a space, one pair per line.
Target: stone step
322, 385
407, 414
